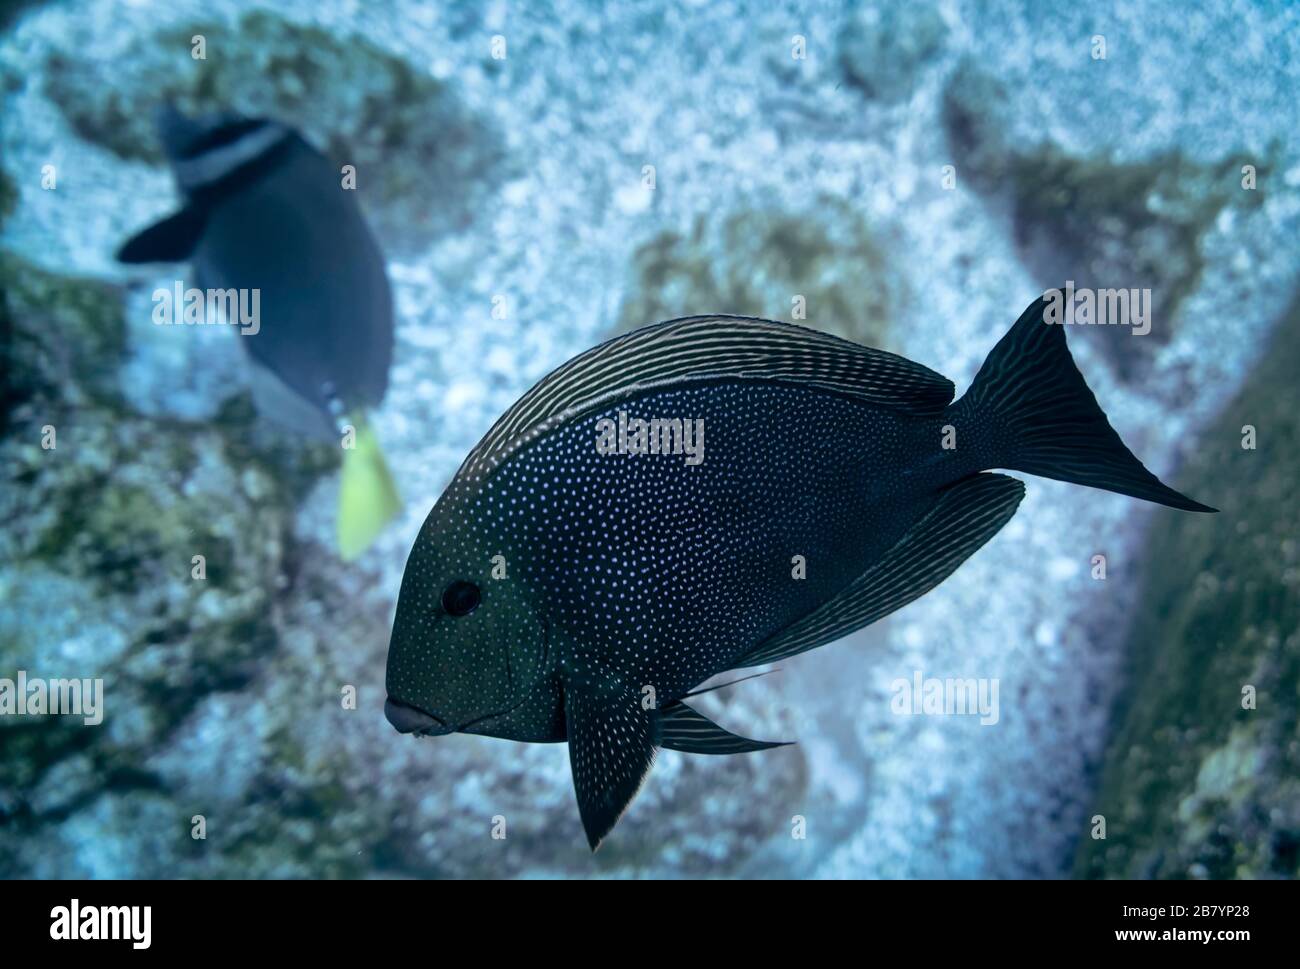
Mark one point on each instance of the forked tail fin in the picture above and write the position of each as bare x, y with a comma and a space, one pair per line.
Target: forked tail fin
1036, 414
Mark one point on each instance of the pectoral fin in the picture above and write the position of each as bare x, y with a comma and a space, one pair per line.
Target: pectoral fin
682, 728
611, 749
174, 239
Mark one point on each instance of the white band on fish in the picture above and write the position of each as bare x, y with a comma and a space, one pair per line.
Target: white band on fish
213, 165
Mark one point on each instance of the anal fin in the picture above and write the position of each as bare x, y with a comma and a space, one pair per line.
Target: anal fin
965, 516
682, 728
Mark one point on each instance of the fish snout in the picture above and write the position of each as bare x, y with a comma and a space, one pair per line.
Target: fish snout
408, 719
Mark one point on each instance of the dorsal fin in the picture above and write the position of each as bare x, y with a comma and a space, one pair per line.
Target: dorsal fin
966, 515
701, 348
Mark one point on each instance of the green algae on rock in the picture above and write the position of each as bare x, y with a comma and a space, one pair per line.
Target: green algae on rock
758, 262
58, 336
1197, 781
106, 523
424, 163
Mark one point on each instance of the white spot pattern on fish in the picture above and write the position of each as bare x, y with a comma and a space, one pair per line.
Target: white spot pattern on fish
630, 571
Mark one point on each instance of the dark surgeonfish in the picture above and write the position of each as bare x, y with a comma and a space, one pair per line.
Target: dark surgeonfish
265, 211
582, 574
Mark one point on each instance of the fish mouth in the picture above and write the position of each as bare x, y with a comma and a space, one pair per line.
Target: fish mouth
490, 716
410, 719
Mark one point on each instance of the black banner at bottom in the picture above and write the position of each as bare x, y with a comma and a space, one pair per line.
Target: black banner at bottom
331, 919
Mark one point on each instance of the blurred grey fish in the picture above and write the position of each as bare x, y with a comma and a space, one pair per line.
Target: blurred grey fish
265, 211
563, 589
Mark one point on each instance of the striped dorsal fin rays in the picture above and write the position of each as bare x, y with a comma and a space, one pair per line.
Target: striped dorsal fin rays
702, 348
966, 515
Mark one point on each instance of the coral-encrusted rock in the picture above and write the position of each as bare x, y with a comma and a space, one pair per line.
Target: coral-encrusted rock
1097, 221
425, 164
1196, 782
98, 552
756, 262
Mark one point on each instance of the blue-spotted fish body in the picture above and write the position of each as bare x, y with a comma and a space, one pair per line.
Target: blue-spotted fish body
562, 590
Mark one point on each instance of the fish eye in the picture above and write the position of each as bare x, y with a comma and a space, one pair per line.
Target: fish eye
460, 598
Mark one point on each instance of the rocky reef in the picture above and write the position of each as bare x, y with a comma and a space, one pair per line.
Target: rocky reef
824, 268
1096, 219
882, 48
425, 166
158, 547
1202, 778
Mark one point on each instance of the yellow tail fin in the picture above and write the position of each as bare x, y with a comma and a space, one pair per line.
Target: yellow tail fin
368, 499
